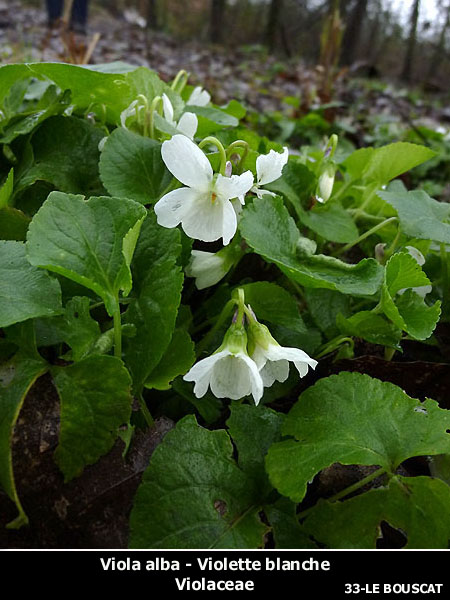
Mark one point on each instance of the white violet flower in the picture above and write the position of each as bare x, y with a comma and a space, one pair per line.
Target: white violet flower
188, 123
130, 111
326, 183
269, 168
422, 290
203, 207
199, 97
272, 359
229, 372
209, 268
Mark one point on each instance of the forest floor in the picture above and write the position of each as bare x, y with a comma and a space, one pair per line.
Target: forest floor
248, 74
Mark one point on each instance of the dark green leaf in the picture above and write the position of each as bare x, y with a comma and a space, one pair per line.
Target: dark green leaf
25, 292
353, 419
156, 297
193, 495
271, 232
419, 506
131, 167
16, 378
66, 155
177, 360
254, 430
95, 402
88, 241
372, 328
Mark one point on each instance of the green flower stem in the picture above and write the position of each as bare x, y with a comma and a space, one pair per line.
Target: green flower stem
180, 81
241, 305
364, 215
445, 279
390, 251
144, 409
349, 490
344, 187
359, 211
334, 344
149, 118
238, 144
389, 353
218, 324
365, 235
117, 332
215, 142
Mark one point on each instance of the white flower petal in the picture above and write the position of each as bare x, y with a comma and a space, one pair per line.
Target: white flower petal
202, 384
234, 186
416, 254
208, 268
202, 367
208, 221
274, 370
229, 222
128, 112
172, 207
255, 378
187, 162
231, 378
270, 166
167, 108
188, 124
199, 97
275, 352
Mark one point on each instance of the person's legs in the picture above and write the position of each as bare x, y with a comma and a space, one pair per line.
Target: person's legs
79, 15
54, 10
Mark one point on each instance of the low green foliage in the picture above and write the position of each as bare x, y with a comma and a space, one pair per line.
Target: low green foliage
159, 257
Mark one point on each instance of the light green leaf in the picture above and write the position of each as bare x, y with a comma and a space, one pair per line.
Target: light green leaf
331, 222
16, 378
86, 241
193, 495
271, 232
7, 189
386, 163
155, 298
131, 167
353, 419
408, 310
420, 216
392, 160
217, 116
95, 402
419, 506
25, 292
177, 360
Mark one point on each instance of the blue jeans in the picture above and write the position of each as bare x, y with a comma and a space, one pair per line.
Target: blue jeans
79, 12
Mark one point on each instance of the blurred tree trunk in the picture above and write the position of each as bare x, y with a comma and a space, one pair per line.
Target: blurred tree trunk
151, 14
409, 57
217, 20
273, 22
439, 50
353, 32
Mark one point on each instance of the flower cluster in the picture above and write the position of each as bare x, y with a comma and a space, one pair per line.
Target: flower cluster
208, 206
248, 360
